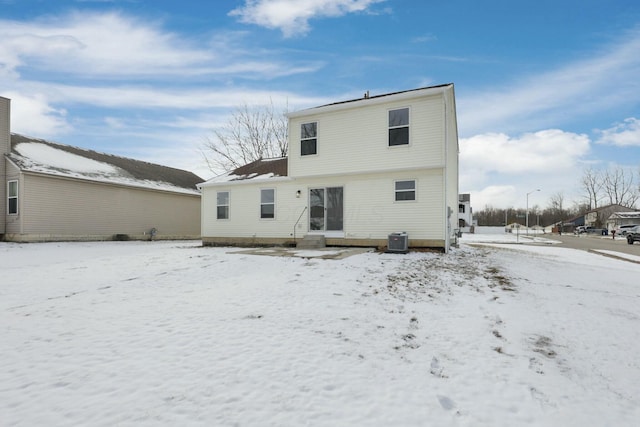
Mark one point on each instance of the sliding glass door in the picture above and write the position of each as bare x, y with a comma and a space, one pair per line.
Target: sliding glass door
326, 209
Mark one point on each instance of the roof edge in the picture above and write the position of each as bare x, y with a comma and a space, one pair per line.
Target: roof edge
372, 100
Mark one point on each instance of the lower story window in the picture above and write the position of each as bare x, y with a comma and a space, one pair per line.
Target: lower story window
268, 203
222, 201
405, 190
12, 199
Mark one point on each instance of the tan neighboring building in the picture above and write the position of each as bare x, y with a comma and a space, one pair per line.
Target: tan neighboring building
55, 192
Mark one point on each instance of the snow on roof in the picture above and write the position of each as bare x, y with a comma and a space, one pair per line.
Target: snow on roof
631, 214
259, 169
40, 156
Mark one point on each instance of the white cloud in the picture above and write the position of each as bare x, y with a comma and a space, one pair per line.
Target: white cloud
292, 16
540, 152
125, 96
33, 115
625, 134
113, 45
494, 196
584, 87
549, 159
98, 43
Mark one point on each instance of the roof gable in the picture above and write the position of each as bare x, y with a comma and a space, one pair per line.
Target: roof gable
41, 156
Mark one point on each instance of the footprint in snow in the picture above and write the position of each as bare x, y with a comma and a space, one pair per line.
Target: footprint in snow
446, 403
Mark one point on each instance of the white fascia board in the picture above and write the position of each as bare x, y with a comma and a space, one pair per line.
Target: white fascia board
244, 182
363, 102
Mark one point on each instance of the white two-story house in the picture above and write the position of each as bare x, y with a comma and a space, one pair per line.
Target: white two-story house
357, 171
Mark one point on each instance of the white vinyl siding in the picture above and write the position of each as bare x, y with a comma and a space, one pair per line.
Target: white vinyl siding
355, 155
357, 141
367, 214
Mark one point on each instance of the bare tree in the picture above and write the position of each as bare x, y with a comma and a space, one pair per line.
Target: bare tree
252, 133
620, 187
556, 202
592, 185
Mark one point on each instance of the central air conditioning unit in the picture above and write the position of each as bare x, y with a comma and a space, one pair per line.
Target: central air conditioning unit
398, 243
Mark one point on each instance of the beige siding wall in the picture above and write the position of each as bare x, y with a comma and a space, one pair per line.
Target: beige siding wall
5, 144
356, 140
66, 209
370, 209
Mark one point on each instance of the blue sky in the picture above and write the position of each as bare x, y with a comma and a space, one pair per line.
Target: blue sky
544, 89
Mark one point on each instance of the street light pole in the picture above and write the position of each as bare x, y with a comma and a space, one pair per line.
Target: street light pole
527, 211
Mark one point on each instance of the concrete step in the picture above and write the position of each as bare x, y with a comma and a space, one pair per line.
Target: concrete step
312, 241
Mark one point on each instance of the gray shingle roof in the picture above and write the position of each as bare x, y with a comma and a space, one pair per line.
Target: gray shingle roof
129, 171
277, 167
259, 169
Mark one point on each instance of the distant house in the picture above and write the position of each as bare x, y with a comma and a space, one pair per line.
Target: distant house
598, 217
56, 192
357, 171
465, 213
623, 218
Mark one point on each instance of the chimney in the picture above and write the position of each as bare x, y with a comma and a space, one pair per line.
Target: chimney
5, 148
366, 95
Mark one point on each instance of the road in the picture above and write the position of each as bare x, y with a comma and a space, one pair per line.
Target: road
586, 242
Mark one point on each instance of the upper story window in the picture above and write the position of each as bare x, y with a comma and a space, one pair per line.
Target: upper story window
12, 197
308, 138
405, 190
222, 203
460, 208
268, 203
399, 127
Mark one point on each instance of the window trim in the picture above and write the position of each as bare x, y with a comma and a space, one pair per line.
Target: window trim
10, 197
314, 138
407, 126
227, 205
272, 203
414, 190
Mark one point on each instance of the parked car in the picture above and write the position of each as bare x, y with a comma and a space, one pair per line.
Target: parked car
633, 235
622, 230
591, 230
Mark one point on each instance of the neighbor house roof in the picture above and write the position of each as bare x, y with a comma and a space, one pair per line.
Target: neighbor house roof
259, 169
625, 215
46, 157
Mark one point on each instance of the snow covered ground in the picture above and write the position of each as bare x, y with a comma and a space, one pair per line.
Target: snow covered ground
170, 333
